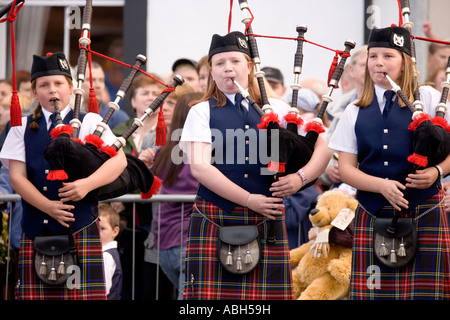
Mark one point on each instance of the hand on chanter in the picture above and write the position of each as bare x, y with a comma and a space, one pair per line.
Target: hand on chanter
74, 191
422, 179
392, 191
286, 185
60, 212
267, 206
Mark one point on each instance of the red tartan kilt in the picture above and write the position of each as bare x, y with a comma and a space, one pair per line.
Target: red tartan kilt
205, 277
427, 277
92, 284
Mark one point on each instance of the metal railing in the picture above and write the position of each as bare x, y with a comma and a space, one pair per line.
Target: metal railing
128, 198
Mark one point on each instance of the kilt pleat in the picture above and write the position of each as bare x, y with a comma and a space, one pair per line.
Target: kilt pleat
427, 277
205, 277
91, 284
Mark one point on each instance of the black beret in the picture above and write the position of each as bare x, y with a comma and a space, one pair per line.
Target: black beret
391, 37
50, 65
233, 41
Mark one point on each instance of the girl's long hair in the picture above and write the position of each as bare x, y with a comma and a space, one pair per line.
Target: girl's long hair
406, 81
163, 162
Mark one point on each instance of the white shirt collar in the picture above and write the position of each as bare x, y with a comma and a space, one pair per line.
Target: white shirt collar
47, 114
232, 98
109, 245
379, 92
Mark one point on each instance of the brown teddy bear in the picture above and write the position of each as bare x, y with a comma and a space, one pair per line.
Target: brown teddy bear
322, 268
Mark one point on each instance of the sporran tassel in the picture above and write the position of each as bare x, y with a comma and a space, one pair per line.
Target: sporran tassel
229, 257
248, 257
239, 264
401, 250
383, 250
393, 257
52, 275
43, 267
62, 266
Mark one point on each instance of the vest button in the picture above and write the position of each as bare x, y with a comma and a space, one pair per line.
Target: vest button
385, 147
247, 127
45, 221
386, 163
246, 175
47, 171
385, 130
247, 141
44, 188
246, 158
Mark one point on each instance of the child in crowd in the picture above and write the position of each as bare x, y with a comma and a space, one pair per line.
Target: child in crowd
109, 229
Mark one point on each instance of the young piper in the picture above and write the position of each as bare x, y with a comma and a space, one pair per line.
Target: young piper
374, 143
48, 208
233, 188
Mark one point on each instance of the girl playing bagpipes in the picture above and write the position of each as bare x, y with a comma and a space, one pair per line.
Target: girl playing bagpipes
375, 142
48, 207
234, 189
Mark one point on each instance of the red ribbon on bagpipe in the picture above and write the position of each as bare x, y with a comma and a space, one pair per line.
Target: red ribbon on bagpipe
15, 109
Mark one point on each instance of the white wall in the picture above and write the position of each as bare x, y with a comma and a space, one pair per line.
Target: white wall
181, 28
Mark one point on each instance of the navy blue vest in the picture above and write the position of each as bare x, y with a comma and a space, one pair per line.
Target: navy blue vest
383, 149
115, 292
237, 152
35, 221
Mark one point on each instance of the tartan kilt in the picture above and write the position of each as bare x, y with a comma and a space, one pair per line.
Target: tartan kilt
205, 277
426, 277
92, 284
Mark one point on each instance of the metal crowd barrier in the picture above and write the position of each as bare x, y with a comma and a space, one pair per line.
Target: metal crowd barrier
130, 198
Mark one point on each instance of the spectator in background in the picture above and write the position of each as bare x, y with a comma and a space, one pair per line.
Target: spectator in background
24, 101
23, 82
5, 89
114, 73
109, 229
202, 68
186, 68
98, 83
276, 80
438, 53
173, 217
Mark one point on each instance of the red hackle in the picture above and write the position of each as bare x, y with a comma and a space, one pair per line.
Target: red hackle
421, 117
154, 189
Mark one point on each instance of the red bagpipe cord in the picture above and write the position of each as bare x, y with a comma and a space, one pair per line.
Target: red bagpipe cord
15, 109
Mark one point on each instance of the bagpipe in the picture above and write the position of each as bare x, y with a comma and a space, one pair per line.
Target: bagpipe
295, 150
71, 159
431, 136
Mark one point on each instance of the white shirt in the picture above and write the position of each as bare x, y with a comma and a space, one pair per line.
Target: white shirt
109, 264
14, 146
344, 137
196, 128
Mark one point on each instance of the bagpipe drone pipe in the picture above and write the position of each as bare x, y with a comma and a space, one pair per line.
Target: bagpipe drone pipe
294, 150
431, 137
71, 159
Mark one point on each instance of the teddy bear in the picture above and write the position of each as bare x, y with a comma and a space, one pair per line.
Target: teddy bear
322, 269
